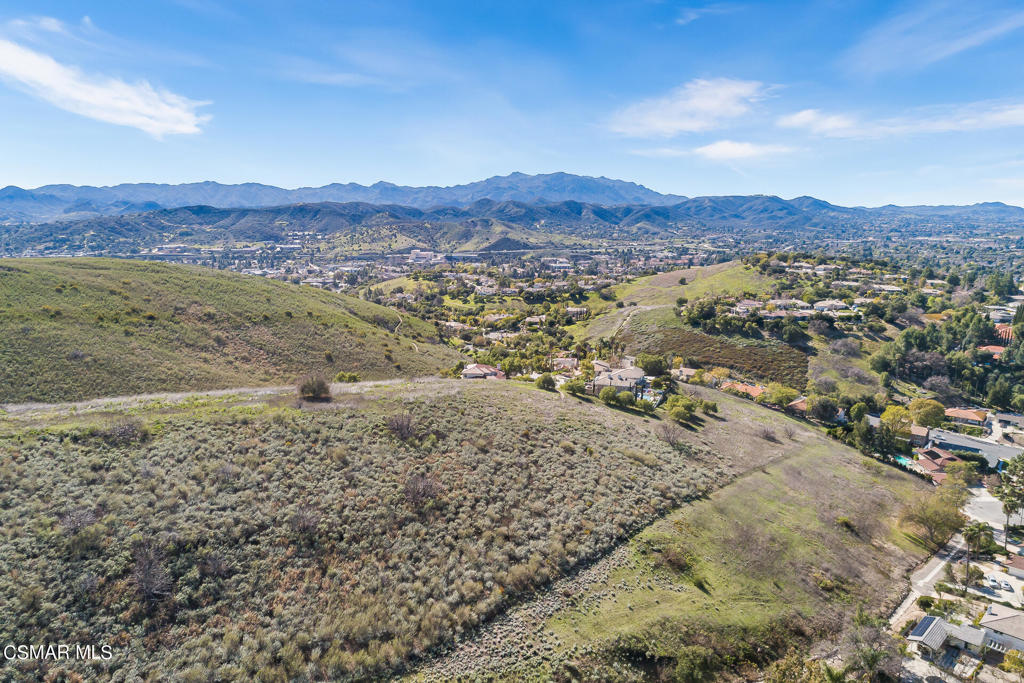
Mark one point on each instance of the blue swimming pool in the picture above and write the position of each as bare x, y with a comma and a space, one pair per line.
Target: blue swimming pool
903, 460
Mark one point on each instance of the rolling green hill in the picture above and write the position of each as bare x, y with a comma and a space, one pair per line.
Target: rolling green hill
72, 329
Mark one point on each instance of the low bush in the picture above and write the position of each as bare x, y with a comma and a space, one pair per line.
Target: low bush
314, 388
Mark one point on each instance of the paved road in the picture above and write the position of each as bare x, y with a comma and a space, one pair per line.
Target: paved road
985, 507
924, 578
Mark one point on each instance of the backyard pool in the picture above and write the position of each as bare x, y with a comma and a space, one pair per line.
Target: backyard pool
903, 460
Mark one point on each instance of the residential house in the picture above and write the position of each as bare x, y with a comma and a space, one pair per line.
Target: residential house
1010, 420
968, 416
1015, 566
798, 405
933, 462
623, 379
786, 304
1005, 627
829, 305
577, 312
564, 364
933, 635
750, 390
481, 371
601, 366
995, 350
1005, 332
918, 435
684, 374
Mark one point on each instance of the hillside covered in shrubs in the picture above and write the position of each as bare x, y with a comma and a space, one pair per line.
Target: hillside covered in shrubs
330, 541
80, 328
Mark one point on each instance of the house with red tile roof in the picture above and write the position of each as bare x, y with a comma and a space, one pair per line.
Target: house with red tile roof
969, 416
996, 351
751, 390
933, 461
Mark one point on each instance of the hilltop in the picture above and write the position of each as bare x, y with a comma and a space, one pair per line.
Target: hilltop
79, 328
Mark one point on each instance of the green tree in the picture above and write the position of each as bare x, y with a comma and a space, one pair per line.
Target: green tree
780, 395
625, 399
1010, 491
927, 412
976, 534
937, 515
822, 408
574, 387
896, 419
858, 411
1000, 393
864, 435
607, 395
546, 382
1013, 661
652, 365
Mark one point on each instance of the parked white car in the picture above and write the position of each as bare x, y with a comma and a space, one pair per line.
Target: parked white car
1006, 586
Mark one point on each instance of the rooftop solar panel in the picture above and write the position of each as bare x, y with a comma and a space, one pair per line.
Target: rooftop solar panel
920, 629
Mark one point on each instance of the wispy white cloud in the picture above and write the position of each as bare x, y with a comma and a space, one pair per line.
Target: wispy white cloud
688, 15
931, 31
990, 115
731, 150
104, 98
722, 150
700, 105
305, 70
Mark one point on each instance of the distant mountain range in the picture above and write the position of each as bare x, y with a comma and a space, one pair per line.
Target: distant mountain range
71, 202
490, 224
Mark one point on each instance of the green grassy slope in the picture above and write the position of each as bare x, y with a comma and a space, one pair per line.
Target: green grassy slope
776, 559
660, 331
80, 328
315, 543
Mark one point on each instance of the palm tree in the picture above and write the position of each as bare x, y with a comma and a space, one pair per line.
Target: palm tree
975, 533
831, 674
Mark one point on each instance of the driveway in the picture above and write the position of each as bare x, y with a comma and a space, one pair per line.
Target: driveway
984, 507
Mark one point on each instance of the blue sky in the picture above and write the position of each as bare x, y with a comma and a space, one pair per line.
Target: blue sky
851, 101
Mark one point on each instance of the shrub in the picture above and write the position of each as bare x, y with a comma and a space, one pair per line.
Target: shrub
670, 433
126, 431
314, 388
401, 425
926, 602
346, 377
546, 382
150, 577
767, 433
420, 489
645, 406
608, 395
574, 387
625, 398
